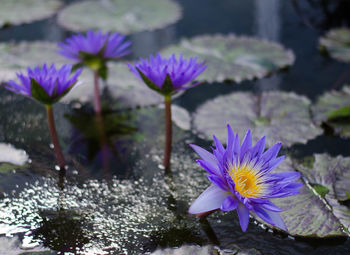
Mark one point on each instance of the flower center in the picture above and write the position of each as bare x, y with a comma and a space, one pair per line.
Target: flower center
246, 180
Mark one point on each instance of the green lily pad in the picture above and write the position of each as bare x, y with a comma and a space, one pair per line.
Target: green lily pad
15, 12
124, 16
234, 58
280, 116
333, 174
337, 44
333, 108
307, 214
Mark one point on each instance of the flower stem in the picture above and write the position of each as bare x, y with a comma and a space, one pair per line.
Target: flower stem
168, 132
57, 148
103, 144
97, 101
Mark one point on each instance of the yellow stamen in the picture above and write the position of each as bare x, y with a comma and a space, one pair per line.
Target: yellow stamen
247, 180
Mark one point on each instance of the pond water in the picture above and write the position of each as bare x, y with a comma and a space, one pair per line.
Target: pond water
115, 197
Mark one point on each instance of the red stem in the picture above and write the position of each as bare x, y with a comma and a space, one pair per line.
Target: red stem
57, 148
97, 101
168, 132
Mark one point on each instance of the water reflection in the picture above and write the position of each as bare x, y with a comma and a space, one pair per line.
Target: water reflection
101, 138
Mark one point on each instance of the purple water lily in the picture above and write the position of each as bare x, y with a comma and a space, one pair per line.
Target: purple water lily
94, 50
242, 179
180, 72
45, 84
105, 46
168, 76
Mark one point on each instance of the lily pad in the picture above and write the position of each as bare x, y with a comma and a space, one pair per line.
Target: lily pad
124, 16
333, 174
307, 214
332, 108
230, 57
337, 44
281, 116
15, 12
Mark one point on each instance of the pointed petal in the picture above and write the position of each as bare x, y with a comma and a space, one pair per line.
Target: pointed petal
277, 220
272, 152
246, 144
209, 200
243, 215
205, 155
218, 181
263, 215
229, 204
212, 169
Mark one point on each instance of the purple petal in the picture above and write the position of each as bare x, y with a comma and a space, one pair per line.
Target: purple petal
205, 155
258, 148
212, 169
243, 215
246, 144
218, 181
272, 152
229, 204
277, 220
211, 199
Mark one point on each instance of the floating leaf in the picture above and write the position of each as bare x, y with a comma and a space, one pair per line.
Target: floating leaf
334, 175
15, 12
307, 214
124, 16
234, 58
337, 44
332, 108
280, 116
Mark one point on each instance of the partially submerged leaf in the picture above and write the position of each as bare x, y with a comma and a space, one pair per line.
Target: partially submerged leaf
15, 12
234, 58
124, 16
280, 116
337, 44
333, 174
307, 214
342, 112
333, 108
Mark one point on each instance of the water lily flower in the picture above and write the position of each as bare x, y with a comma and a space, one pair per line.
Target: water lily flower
242, 180
168, 76
94, 50
47, 85
108, 46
